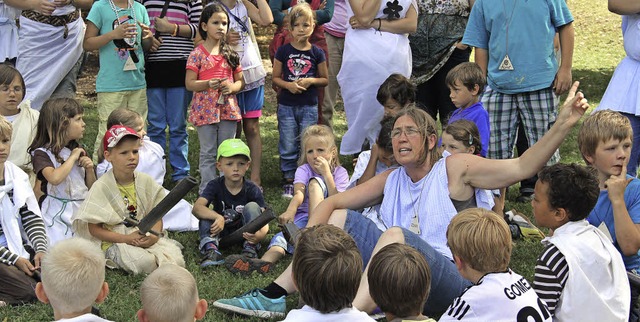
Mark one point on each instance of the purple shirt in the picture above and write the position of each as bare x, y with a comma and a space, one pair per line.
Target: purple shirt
478, 115
304, 173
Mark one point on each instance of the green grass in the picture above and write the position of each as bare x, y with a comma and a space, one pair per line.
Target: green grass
597, 51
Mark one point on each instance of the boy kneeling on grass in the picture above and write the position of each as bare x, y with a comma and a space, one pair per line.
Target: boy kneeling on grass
120, 193
73, 279
480, 242
580, 275
170, 294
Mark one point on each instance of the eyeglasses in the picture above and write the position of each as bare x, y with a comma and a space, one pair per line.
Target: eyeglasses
7, 89
408, 132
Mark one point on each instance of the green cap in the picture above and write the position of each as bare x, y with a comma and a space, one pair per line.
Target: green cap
231, 147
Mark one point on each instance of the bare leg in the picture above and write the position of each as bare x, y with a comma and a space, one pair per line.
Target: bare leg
363, 300
273, 255
252, 133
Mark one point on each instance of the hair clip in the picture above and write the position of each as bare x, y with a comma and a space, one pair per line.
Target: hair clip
470, 139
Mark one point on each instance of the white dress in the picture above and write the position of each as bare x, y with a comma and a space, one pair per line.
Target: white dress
247, 48
369, 58
152, 162
8, 32
62, 200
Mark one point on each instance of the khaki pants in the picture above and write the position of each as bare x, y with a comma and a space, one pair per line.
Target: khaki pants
336, 47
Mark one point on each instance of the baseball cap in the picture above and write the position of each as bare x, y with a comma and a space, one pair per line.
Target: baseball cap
113, 136
231, 147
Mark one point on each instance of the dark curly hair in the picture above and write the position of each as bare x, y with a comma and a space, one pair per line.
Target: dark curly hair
572, 187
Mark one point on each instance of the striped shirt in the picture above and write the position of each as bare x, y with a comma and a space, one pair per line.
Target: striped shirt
551, 275
180, 13
33, 226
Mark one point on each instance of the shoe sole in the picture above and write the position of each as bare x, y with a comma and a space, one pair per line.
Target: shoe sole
247, 312
238, 264
211, 263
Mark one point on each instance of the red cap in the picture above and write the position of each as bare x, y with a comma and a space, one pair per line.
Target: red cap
115, 134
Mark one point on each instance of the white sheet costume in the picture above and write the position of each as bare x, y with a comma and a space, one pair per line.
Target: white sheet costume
105, 205
24, 131
46, 56
369, 57
152, 162
62, 200
8, 31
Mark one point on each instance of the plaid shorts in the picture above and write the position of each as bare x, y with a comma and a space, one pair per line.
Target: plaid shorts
537, 110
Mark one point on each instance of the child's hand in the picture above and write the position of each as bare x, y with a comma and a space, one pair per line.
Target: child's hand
85, 162
125, 30
133, 239
37, 259
147, 241
355, 24
45, 7
323, 5
163, 25
286, 217
250, 238
155, 43
77, 153
61, 3
225, 87
321, 166
24, 265
146, 31
304, 82
294, 88
217, 226
616, 185
215, 83
233, 37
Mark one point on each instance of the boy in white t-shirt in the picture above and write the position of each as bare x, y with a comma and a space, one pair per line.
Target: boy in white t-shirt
480, 242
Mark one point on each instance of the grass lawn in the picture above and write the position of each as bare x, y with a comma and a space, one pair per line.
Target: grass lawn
598, 49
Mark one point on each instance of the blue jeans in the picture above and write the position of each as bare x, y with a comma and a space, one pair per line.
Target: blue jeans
446, 282
292, 120
250, 212
168, 107
634, 158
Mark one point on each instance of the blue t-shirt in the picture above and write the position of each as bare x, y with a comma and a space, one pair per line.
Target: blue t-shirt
217, 195
298, 64
532, 26
603, 212
114, 55
478, 115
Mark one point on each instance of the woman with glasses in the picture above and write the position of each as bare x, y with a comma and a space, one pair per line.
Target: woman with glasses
420, 197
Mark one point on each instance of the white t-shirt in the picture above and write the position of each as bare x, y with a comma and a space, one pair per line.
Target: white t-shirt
498, 297
309, 314
86, 318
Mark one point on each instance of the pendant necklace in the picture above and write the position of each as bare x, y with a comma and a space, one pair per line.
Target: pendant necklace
415, 222
120, 20
506, 62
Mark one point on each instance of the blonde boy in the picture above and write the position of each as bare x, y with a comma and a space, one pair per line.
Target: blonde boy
170, 294
124, 193
480, 242
605, 143
73, 279
399, 282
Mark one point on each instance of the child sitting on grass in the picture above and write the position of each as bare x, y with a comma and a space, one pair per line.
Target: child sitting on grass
170, 294
19, 217
399, 282
480, 242
327, 268
124, 193
236, 202
579, 267
605, 140
73, 279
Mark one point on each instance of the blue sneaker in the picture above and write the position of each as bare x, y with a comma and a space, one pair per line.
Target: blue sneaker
253, 303
213, 258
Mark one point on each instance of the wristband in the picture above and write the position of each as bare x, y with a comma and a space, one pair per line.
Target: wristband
379, 24
175, 31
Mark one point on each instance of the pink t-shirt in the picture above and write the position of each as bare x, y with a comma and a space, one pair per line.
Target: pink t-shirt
205, 107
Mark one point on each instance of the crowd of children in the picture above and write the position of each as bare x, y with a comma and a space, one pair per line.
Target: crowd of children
415, 233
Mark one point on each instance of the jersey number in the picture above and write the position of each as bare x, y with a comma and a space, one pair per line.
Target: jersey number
530, 312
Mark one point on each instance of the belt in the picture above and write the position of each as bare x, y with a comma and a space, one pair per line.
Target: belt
56, 21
